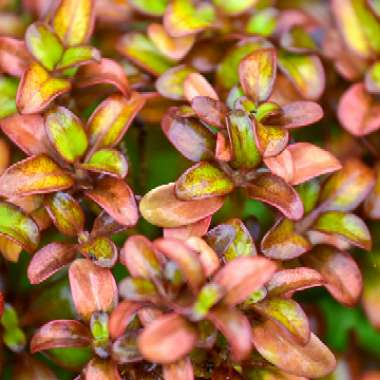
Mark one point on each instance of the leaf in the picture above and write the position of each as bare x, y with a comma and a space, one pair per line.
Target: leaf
372, 201
186, 259
282, 242
270, 374
287, 281
74, 20
66, 133
139, 289
139, 256
98, 369
263, 22
27, 132
34, 175
309, 193
92, 288
18, 227
172, 48
167, 339
106, 71
307, 161
188, 136
195, 85
297, 39
49, 260
107, 161
60, 334
124, 349
181, 18
209, 110
257, 73
77, 56
301, 113
311, 360
235, 7
8, 91
162, 208
111, 120
203, 180
116, 198
242, 243
235, 326
242, 139
227, 71
221, 237
182, 369
14, 57
305, 72
271, 140
121, 316
147, 7
276, 192
10, 251
44, 45
171, 83
358, 111
101, 250
142, 51
340, 272
242, 276
29, 368
223, 150
346, 189
104, 224
348, 226
38, 88
196, 229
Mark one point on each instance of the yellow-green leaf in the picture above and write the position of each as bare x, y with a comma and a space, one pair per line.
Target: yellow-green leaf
8, 91
234, 7
78, 55
44, 45
149, 7
73, 21
38, 88
18, 227
66, 133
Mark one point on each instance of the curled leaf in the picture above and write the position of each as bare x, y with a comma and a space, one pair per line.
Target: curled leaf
101, 250
121, 316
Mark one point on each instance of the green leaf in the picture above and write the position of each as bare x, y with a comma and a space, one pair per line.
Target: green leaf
66, 133
78, 55
263, 22
235, 7
349, 226
44, 45
8, 91
152, 8
309, 194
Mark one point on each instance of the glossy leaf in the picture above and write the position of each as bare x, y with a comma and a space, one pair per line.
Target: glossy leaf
106, 71
38, 88
242, 138
283, 242
162, 208
306, 160
14, 57
147, 7
188, 136
59, 334
196, 229
101, 250
235, 7
35, 175
358, 111
121, 316
111, 120
73, 21
209, 110
142, 51
275, 191
203, 180
311, 360
346, 189
300, 113
187, 260
242, 276
372, 201
138, 289
77, 56
271, 140
305, 72
125, 350
18, 227
66, 133
287, 281
195, 85
257, 74
49, 260
173, 48
348, 226
92, 288
181, 18
44, 45
235, 326
171, 83
116, 198
139, 256
108, 161
167, 339
98, 369
8, 88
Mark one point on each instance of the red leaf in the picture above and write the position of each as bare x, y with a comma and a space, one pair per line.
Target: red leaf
98, 369
198, 229
121, 316
14, 57
301, 113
